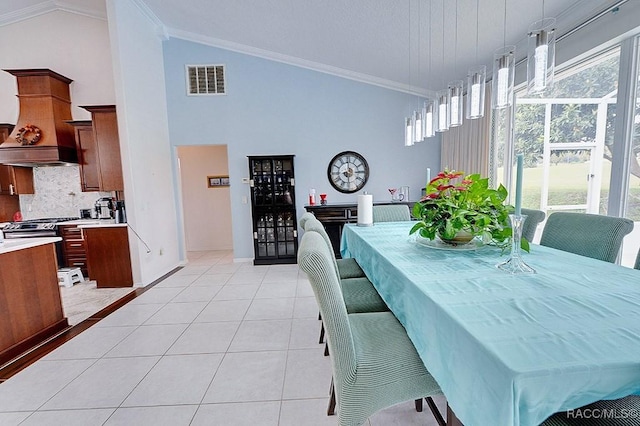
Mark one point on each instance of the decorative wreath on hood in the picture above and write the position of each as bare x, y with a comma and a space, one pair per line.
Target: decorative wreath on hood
23, 135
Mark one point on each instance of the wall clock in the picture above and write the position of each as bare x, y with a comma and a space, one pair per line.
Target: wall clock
348, 172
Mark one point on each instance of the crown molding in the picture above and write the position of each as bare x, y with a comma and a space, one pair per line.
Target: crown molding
27, 12
161, 29
298, 62
47, 7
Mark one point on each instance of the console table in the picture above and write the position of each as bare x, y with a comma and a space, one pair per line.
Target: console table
335, 216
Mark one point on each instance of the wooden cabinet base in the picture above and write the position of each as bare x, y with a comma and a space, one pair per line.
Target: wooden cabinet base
30, 304
19, 348
108, 256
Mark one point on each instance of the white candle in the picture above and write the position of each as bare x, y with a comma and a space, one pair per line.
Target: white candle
365, 210
518, 184
428, 175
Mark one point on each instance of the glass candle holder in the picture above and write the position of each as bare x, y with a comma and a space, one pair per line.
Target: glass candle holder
514, 264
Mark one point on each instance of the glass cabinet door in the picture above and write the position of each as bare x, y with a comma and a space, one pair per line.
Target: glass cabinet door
273, 206
266, 235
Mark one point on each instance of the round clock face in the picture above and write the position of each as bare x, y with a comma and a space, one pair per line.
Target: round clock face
348, 172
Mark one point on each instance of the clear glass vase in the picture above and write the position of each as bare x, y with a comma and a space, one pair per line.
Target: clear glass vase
514, 264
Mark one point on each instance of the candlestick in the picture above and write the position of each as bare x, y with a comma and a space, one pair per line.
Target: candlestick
518, 184
515, 264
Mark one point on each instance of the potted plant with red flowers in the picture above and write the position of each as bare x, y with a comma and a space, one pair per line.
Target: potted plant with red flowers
458, 208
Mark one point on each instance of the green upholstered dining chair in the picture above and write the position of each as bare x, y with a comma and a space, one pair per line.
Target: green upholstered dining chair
591, 235
391, 213
347, 268
304, 218
619, 412
534, 217
374, 363
358, 292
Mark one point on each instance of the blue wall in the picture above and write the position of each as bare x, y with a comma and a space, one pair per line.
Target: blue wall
275, 108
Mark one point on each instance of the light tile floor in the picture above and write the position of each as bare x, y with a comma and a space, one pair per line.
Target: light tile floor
217, 343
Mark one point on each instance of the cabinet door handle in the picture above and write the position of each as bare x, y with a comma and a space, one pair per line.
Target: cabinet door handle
76, 245
11, 191
78, 263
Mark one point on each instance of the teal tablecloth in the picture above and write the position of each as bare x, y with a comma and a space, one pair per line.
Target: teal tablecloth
508, 349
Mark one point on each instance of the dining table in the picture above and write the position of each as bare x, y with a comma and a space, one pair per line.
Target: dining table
507, 349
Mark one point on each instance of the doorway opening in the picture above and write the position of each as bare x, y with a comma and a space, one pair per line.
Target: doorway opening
206, 198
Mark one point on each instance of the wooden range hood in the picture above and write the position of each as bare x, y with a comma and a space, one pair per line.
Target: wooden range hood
45, 106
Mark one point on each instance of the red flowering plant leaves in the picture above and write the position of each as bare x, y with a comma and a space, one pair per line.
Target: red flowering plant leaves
455, 203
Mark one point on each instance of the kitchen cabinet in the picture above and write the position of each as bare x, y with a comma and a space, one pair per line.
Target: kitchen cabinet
87, 155
30, 303
74, 252
108, 255
273, 209
101, 164
335, 216
14, 180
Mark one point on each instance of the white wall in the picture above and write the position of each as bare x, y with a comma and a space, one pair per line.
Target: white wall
144, 140
207, 211
73, 45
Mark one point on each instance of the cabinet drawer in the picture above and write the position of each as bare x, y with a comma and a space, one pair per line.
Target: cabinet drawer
74, 246
71, 232
78, 262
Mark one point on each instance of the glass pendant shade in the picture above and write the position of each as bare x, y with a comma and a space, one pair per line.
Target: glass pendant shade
442, 113
454, 94
476, 81
503, 75
417, 126
428, 119
408, 131
541, 53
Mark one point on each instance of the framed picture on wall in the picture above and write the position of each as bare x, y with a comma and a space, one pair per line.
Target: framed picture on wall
217, 181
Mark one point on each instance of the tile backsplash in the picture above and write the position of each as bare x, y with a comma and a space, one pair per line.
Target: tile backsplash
57, 194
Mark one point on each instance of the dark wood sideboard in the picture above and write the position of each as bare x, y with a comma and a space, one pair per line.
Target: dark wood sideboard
335, 216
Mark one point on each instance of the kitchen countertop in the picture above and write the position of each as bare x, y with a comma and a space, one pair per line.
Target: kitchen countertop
94, 223
24, 243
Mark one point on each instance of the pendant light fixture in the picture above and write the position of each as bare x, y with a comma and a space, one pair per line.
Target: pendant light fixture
455, 88
408, 131
476, 80
541, 53
429, 110
454, 94
417, 126
442, 96
418, 117
442, 100
503, 72
429, 118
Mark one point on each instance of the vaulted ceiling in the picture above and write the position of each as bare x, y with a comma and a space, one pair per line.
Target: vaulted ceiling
413, 45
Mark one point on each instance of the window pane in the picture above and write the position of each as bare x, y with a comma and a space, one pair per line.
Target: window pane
632, 241
565, 134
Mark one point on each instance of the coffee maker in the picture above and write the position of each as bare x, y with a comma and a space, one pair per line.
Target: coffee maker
120, 212
104, 208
